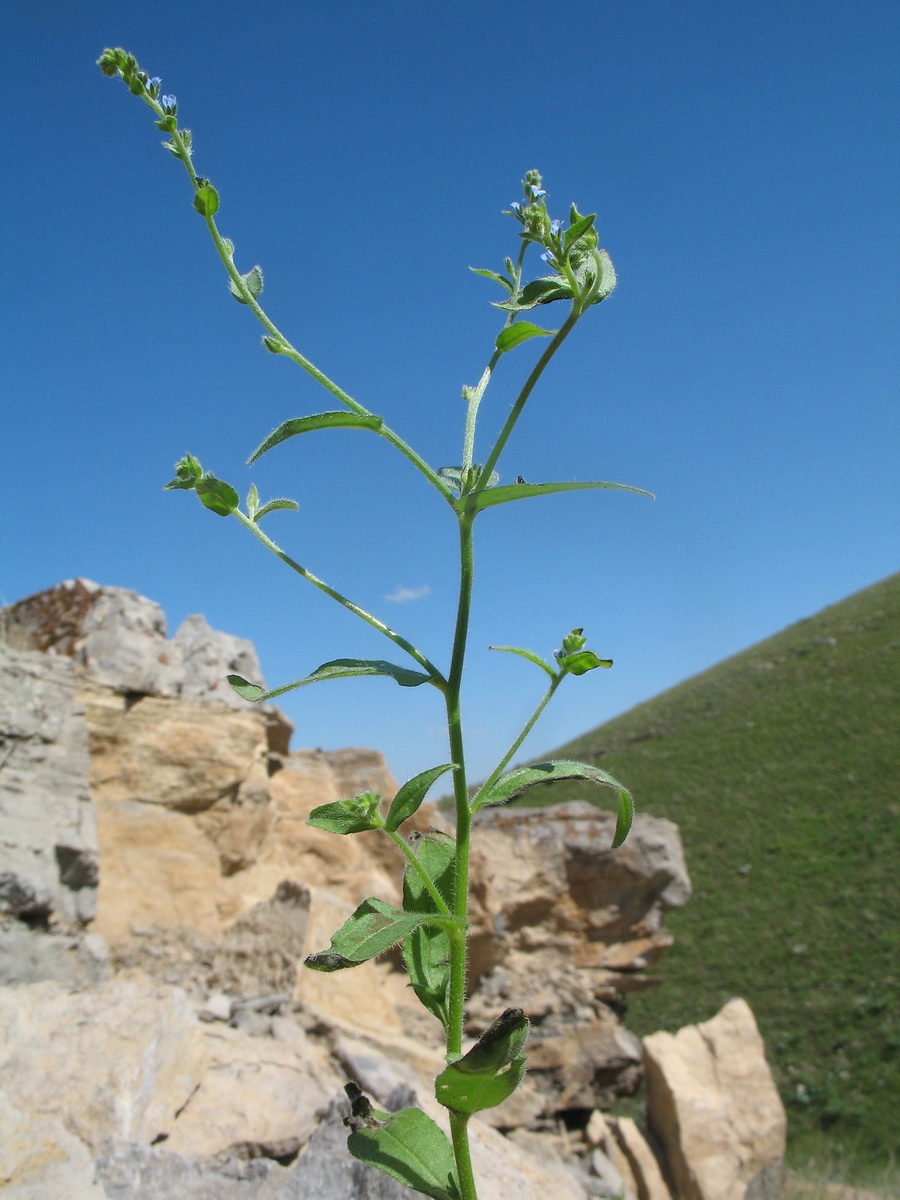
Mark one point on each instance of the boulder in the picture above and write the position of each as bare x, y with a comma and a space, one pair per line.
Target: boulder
713, 1106
115, 1059
259, 1097
48, 841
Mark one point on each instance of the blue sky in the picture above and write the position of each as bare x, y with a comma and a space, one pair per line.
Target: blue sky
742, 159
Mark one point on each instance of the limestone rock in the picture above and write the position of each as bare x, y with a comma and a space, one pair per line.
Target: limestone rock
48, 842
115, 1059
132, 1171
119, 638
41, 1160
181, 796
65, 955
260, 1096
643, 1162
263, 950
207, 656
563, 925
714, 1107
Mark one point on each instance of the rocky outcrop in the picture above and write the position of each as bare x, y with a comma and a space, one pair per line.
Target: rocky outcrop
158, 1033
120, 640
713, 1105
565, 926
48, 843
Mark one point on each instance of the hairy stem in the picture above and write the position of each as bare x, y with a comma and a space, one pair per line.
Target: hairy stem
529, 725
459, 1132
436, 677
516, 411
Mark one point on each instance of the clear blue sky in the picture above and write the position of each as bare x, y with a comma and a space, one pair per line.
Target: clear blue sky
742, 158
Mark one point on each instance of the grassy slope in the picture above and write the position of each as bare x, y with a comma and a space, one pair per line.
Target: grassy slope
781, 768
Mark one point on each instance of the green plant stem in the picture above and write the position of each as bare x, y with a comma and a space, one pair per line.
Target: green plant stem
436, 677
459, 1133
516, 411
476, 394
458, 938
286, 347
529, 725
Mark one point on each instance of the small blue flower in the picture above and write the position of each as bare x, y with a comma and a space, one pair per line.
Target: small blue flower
516, 206
536, 192
155, 84
169, 105
554, 227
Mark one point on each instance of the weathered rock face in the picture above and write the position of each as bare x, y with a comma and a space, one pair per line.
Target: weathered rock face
201, 1031
713, 1104
563, 926
119, 639
48, 843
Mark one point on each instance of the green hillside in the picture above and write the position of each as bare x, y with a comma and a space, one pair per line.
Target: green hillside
781, 767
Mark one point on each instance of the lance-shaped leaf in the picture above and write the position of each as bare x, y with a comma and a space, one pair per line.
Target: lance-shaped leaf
411, 795
492, 1069
373, 929
523, 491
338, 668
535, 658
325, 420
426, 952
356, 815
520, 331
501, 279
510, 788
412, 1149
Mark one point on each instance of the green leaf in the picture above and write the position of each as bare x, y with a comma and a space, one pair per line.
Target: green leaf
606, 278
437, 854
412, 1149
274, 506
217, 495
582, 661
522, 491
252, 281
577, 228
206, 200
519, 331
511, 787
246, 691
357, 815
325, 420
338, 668
492, 1069
426, 952
411, 795
540, 291
501, 279
536, 659
370, 931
